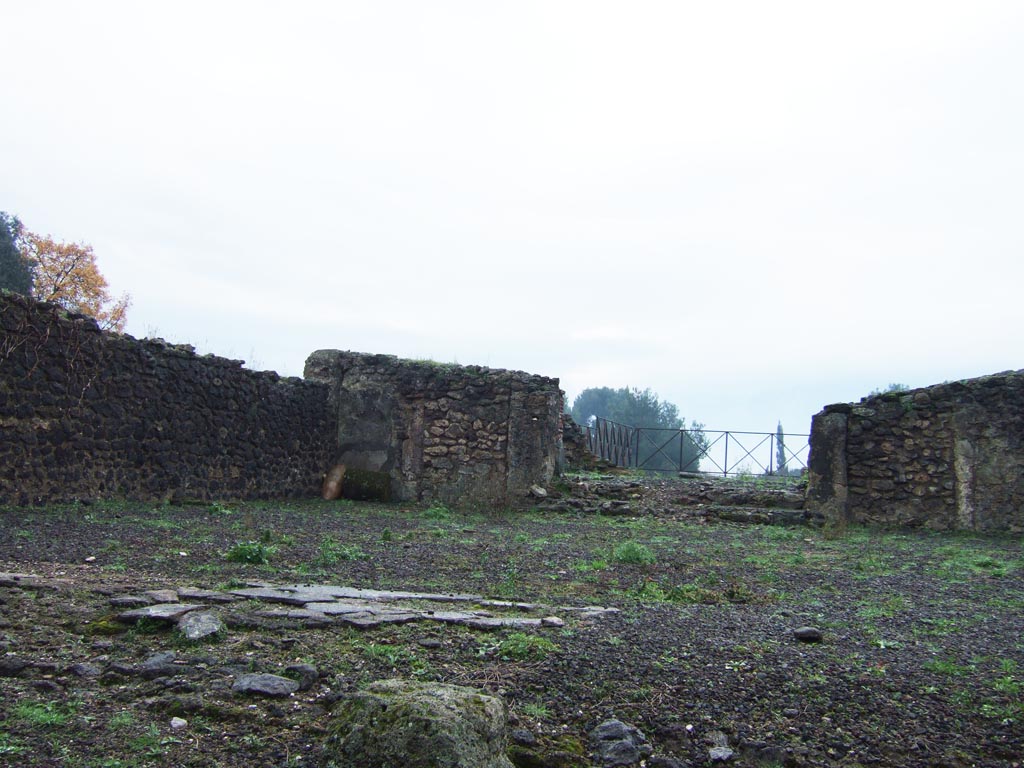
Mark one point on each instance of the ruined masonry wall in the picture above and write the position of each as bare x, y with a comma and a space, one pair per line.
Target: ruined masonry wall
450, 433
88, 414
947, 457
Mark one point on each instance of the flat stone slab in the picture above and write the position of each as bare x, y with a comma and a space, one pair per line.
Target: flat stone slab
161, 611
316, 605
265, 685
196, 625
308, 593
208, 595
131, 601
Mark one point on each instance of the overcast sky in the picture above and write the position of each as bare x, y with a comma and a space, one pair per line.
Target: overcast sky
755, 209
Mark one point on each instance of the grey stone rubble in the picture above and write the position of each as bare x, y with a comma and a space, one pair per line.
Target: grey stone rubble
617, 745
320, 604
265, 685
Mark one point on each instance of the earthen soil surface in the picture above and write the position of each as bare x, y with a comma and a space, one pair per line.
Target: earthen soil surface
921, 661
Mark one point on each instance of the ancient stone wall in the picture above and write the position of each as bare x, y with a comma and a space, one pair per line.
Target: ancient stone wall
456, 434
948, 457
88, 414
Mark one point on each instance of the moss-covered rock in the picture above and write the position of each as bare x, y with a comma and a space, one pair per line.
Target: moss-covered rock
407, 724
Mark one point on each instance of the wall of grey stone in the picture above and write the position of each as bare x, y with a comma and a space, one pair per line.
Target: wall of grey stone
947, 457
457, 434
88, 414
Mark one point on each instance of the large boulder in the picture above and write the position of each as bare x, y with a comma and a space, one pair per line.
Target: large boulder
407, 724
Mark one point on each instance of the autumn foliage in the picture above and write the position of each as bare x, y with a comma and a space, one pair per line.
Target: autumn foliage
66, 274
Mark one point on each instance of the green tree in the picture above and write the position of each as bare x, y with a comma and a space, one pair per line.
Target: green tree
662, 438
15, 270
780, 451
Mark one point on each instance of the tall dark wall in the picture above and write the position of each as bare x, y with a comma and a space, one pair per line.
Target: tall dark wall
88, 414
458, 434
947, 457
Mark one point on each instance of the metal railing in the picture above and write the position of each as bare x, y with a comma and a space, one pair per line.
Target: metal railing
712, 451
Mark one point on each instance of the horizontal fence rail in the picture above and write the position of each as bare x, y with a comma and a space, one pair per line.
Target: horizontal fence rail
711, 451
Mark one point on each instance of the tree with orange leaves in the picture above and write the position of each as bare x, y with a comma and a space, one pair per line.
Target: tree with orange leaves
66, 274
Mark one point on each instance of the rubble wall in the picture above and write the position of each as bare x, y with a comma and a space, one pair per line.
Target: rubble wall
88, 414
947, 457
450, 433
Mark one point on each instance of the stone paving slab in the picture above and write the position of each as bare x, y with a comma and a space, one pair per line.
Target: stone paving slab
321, 604
162, 611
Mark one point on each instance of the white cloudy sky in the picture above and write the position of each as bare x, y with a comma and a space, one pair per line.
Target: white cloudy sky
753, 208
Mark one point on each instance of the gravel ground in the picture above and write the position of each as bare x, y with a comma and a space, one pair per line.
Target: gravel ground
921, 659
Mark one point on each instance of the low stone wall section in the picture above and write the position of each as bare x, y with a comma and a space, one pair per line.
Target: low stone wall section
456, 434
88, 414
947, 457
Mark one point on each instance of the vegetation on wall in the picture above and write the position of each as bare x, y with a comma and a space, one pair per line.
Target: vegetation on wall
62, 273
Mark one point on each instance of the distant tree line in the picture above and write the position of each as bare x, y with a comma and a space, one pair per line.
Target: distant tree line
65, 274
657, 450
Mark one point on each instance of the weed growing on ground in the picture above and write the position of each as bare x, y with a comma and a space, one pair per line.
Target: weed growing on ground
535, 710
44, 715
250, 552
520, 646
9, 746
331, 552
436, 511
633, 553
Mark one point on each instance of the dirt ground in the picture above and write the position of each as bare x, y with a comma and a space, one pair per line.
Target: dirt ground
921, 661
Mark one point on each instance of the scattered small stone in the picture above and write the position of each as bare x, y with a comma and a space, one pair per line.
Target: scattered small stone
617, 745
552, 621
717, 739
85, 669
538, 492
808, 634
11, 666
523, 737
91, 559
265, 685
305, 674
429, 642
659, 761
177, 723
720, 754
159, 665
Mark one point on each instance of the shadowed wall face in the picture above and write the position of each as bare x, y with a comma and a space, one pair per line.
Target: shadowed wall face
87, 414
948, 457
457, 434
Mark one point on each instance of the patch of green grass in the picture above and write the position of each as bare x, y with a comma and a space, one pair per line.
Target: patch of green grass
520, 646
436, 511
947, 667
937, 627
886, 608
584, 566
331, 552
121, 720
535, 710
633, 553
250, 552
9, 746
44, 715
